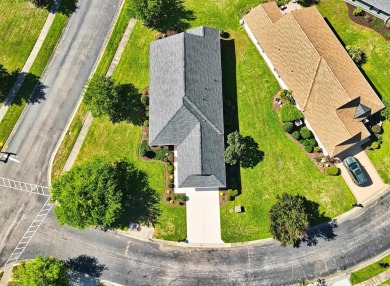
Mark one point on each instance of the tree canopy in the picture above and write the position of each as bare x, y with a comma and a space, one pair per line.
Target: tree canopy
289, 218
235, 148
41, 271
118, 102
162, 15
101, 193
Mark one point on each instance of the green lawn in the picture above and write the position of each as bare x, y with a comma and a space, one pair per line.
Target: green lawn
43, 57
369, 271
20, 25
377, 67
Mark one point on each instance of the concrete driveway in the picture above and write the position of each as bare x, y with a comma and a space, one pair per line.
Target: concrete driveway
203, 216
374, 185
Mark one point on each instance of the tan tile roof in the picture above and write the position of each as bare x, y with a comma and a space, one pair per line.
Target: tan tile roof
315, 66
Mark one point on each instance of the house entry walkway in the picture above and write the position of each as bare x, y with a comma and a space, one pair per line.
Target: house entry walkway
375, 184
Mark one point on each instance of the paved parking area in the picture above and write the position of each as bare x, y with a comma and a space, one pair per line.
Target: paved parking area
203, 216
374, 185
17, 211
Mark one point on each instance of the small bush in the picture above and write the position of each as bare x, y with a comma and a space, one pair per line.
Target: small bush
144, 148
376, 129
367, 18
289, 112
386, 111
308, 149
306, 142
288, 127
145, 100
296, 135
160, 154
147, 113
332, 171
229, 198
387, 25
305, 133
379, 138
317, 149
146, 123
374, 145
171, 185
232, 193
318, 159
356, 54
168, 199
286, 94
358, 12
182, 198
170, 167
312, 142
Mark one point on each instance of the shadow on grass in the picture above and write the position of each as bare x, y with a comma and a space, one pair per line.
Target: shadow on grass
67, 7
321, 226
129, 107
140, 202
7, 79
252, 155
86, 264
230, 106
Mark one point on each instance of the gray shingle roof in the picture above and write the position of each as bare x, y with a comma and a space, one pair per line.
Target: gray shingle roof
186, 105
383, 5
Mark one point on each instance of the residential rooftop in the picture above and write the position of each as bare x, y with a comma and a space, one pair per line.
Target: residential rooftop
186, 105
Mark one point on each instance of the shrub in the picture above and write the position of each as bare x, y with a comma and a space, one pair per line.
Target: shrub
288, 127
374, 145
312, 142
377, 23
367, 18
376, 129
147, 113
232, 193
296, 135
289, 112
306, 142
386, 111
168, 199
144, 148
145, 100
305, 133
160, 154
379, 138
182, 198
171, 185
358, 12
317, 149
332, 171
229, 198
170, 167
387, 25
286, 94
356, 54
146, 123
308, 149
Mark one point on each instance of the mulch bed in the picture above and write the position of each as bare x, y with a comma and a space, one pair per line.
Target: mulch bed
312, 156
385, 32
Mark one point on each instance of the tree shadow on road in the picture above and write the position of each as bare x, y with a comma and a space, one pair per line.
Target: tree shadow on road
321, 226
86, 264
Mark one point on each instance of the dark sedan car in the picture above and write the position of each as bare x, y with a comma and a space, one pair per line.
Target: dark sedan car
355, 170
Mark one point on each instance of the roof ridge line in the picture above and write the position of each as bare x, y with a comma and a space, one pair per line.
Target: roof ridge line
312, 83
186, 99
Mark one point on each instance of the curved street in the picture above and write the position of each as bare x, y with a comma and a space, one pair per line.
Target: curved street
363, 235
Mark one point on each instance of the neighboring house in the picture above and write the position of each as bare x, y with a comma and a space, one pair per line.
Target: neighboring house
186, 105
307, 58
377, 8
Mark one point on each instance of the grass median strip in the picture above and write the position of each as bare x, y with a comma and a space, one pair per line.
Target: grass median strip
32, 79
102, 68
370, 271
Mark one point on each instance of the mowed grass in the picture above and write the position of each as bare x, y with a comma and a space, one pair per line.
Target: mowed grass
369, 271
377, 67
285, 167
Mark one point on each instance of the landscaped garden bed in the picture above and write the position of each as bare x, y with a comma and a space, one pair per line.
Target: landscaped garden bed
293, 125
367, 20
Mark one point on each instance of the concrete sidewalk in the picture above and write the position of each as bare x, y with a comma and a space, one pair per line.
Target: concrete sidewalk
376, 280
30, 61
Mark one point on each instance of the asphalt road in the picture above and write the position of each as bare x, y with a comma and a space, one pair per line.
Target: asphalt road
132, 262
43, 123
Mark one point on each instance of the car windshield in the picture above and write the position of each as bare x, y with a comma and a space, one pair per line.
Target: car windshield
353, 166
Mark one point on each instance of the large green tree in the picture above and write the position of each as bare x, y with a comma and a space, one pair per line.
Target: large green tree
289, 218
103, 193
162, 15
87, 195
118, 102
41, 271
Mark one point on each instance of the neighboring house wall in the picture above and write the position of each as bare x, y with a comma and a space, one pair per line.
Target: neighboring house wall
371, 9
265, 57
280, 80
